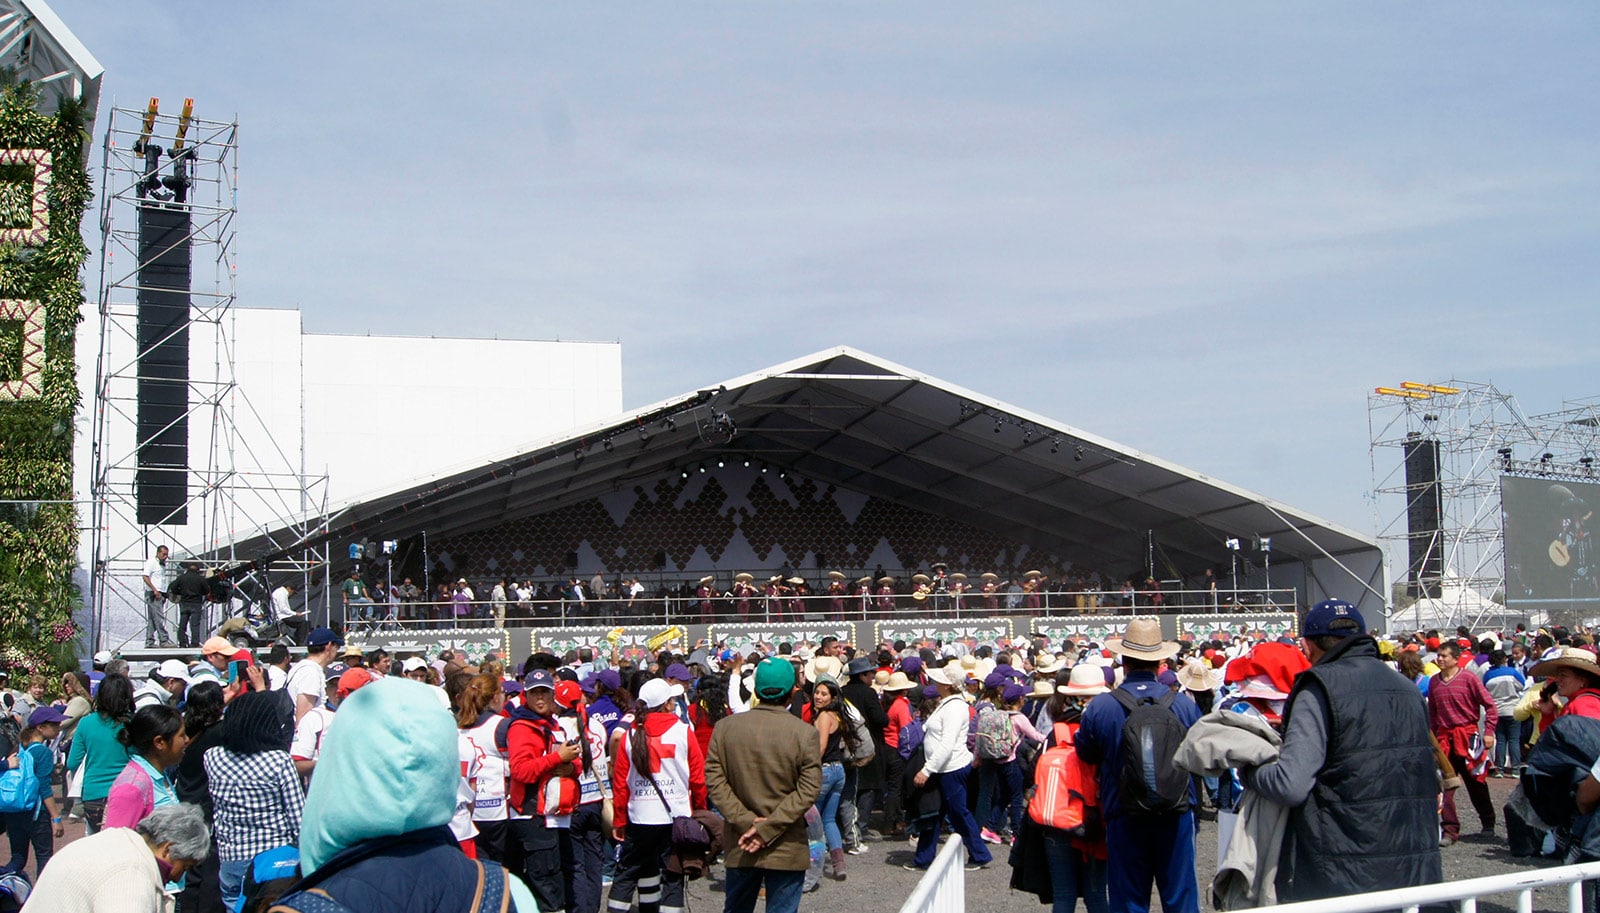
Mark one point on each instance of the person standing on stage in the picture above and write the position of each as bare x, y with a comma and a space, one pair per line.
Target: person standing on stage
155, 599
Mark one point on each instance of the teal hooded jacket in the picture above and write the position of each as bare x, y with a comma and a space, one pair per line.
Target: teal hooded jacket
389, 765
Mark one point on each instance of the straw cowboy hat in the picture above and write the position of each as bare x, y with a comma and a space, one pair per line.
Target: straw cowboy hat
1086, 680
919, 578
795, 580
879, 679
1142, 640
886, 580
707, 578
743, 577
864, 580
1194, 676
837, 575
897, 681
824, 665
1570, 658
1033, 574
958, 576
989, 575
948, 675
1049, 665
1043, 687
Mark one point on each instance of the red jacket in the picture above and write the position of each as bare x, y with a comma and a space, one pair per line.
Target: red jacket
531, 742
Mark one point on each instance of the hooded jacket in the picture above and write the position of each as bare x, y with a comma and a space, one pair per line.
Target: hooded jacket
382, 800
530, 746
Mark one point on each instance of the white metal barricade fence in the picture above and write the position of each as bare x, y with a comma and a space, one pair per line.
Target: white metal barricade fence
1464, 894
943, 888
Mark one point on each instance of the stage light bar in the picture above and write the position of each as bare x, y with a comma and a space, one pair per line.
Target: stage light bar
1406, 394
149, 123
1430, 388
183, 125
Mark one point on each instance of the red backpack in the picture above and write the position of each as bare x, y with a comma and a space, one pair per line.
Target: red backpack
1063, 786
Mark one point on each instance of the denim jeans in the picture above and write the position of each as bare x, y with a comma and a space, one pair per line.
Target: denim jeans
953, 793
743, 886
230, 877
1508, 743
1074, 874
828, 803
25, 829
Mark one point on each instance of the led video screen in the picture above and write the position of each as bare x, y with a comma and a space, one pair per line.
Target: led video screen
1551, 560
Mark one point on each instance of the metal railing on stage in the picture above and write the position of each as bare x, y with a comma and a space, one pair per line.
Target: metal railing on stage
722, 609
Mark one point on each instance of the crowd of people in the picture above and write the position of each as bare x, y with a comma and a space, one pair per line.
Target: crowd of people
576, 782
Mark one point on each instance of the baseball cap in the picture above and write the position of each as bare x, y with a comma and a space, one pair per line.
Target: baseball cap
334, 671
538, 678
218, 645
609, 679
103, 657
568, 695
1012, 692
774, 678
1321, 620
321, 637
656, 692
678, 672
353, 679
171, 668
414, 663
726, 656
46, 714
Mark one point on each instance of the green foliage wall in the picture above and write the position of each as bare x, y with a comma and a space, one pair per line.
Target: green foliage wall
40, 289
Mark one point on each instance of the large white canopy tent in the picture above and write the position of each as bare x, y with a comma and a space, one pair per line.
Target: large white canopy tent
860, 422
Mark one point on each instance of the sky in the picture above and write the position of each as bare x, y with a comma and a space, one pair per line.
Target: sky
1206, 231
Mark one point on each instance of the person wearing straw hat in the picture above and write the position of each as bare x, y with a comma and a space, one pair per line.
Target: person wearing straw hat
836, 593
1143, 847
947, 763
1577, 678
1356, 769
703, 594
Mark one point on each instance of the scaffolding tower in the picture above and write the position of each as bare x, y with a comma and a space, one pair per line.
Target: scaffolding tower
1481, 434
1471, 424
237, 476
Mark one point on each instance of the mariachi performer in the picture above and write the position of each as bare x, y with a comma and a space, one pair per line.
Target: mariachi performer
939, 587
836, 594
703, 595
958, 588
991, 592
885, 594
797, 598
743, 592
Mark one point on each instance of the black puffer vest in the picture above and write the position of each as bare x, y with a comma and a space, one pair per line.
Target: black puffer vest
1371, 821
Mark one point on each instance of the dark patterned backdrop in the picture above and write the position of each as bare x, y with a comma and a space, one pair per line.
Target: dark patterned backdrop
728, 520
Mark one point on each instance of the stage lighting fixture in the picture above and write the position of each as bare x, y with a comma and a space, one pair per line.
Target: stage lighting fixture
747, 464
1055, 445
1027, 435
702, 467
996, 426
1077, 455
784, 475
1232, 544
1547, 457
720, 464
671, 425
763, 470
685, 473
644, 432
577, 454
607, 445
1430, 417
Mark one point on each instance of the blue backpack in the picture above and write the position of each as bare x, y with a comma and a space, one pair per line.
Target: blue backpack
19, 786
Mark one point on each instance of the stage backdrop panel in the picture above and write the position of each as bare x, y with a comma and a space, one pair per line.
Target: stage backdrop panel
1256, 626
1094, 628
633, 643
475, 642
971, 631
725, 521
745, 638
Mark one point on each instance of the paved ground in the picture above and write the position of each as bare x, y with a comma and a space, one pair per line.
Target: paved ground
877, 883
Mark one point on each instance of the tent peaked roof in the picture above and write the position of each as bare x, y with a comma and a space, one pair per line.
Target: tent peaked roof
845, 417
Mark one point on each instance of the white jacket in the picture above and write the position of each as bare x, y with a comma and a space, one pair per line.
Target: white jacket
944, 743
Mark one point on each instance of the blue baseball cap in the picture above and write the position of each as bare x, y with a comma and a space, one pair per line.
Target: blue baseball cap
538, 678
1323, 615
321, 637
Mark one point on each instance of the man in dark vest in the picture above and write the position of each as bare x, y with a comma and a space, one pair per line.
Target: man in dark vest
1356, 769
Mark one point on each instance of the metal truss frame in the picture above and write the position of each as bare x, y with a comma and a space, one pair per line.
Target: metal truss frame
240, 484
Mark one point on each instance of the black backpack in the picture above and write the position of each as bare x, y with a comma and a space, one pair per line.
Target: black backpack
1149, 781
